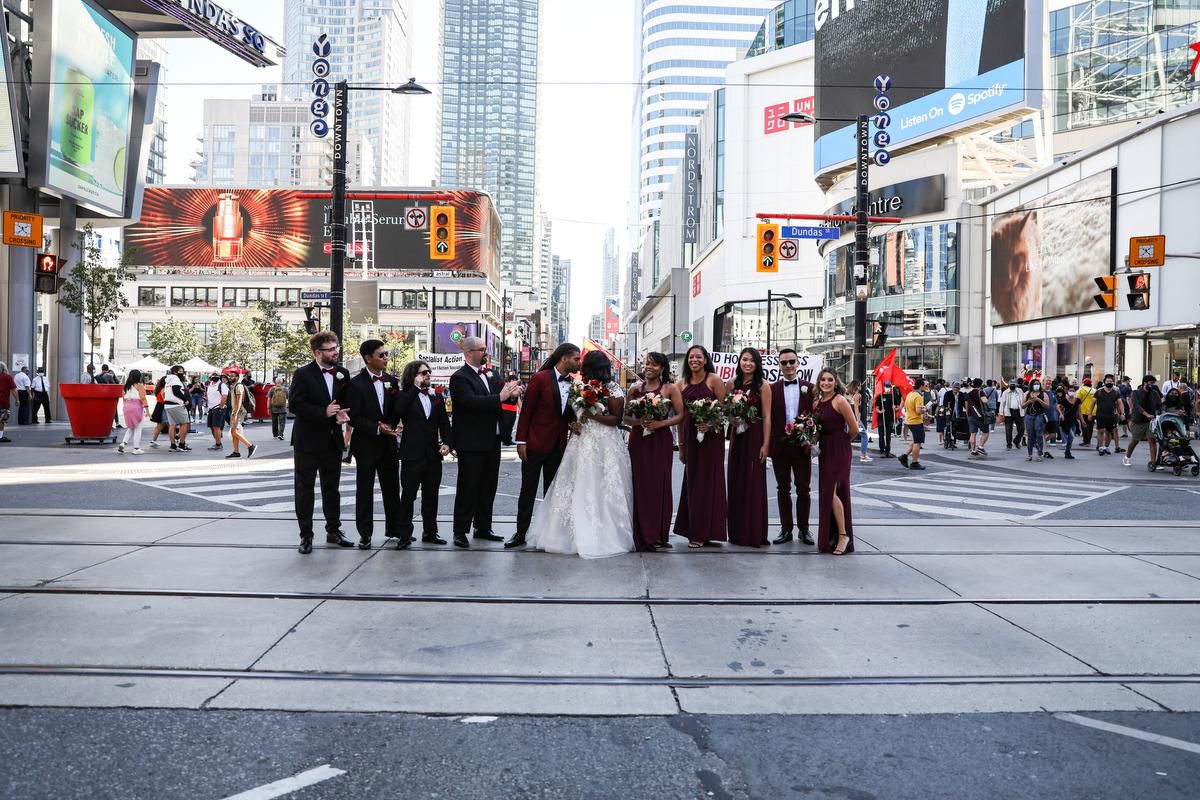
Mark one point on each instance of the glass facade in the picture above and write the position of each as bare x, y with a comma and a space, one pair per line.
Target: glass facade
913, 287
787, 24
1120, 59
489, 118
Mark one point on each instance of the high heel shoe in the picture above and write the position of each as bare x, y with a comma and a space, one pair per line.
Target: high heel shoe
843, 541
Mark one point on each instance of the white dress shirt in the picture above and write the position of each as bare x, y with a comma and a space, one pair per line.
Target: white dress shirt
328, 379
563, 391
22, 381
791, 400
378, 388
426, 403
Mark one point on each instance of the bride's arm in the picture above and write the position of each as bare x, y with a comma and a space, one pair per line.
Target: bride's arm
616, 410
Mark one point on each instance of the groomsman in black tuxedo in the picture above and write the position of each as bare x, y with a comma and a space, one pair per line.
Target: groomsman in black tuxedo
477, 395
790, 396
373, 394
421, 414
316, 399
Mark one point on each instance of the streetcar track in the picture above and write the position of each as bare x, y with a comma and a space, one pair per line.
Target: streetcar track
612, 600
672, 681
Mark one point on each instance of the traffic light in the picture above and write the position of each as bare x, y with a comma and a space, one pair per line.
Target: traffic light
312, 322
878, 333
45, 280
1107, 299
1139, 291
767, 251
441, 233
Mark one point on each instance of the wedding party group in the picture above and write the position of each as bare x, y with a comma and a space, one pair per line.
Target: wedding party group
602, 457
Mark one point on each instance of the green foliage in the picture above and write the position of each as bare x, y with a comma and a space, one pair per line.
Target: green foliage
294, 351
270, 329
92, 289
235, 340
174, 341
401, 348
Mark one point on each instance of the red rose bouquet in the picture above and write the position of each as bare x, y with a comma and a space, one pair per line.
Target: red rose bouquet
803, 431
588, 396
741, 409
648, 407
709, 412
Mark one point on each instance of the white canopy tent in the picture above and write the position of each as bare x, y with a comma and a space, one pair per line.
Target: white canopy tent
198, 365
147, 364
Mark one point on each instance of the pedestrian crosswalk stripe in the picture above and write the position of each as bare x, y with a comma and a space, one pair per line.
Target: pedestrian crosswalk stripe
971, 501
974, 487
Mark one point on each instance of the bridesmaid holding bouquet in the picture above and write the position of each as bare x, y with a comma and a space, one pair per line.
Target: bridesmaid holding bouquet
650, 448
702, 506
749, 409
839, 427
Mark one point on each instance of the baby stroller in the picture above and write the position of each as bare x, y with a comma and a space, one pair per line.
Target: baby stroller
1174, 449
957, 430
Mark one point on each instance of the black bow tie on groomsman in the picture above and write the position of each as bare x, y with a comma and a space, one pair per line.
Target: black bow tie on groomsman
791, 383
564, 378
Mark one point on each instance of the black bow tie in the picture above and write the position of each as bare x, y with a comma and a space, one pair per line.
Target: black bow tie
564, 378
791, 383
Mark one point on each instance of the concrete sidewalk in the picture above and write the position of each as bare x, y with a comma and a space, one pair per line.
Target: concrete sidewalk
220, 612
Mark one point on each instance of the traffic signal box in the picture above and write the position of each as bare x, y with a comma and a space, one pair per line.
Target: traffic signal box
46, 267
312, 319
767, 250
878, 333
1107, 299
1139, 291
441, 233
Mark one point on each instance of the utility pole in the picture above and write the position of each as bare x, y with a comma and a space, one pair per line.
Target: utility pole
862, 254
337, 244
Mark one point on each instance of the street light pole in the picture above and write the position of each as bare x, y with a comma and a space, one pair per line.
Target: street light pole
861, 249
767, 349
337, 244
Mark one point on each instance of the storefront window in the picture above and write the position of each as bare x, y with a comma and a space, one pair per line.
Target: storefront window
1065, 354
1094, 364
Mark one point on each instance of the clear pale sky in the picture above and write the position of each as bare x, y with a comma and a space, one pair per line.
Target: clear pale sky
589, 76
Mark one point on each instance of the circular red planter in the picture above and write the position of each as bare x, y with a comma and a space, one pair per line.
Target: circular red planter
91, 407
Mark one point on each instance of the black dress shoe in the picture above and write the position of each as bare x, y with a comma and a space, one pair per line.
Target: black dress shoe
488, 536
432, 538
305, 545
364, 543
807, 538
782, 538
460, 540
339, 539
516, 541
404, 542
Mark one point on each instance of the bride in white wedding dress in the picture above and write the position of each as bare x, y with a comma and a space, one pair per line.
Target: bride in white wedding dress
595, 465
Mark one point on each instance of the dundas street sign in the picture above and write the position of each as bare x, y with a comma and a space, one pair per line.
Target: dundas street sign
223, 27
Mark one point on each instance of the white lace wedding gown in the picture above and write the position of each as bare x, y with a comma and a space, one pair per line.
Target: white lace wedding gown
589, 508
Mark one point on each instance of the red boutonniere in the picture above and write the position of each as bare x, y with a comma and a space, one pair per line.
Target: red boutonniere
439, 390
393, 388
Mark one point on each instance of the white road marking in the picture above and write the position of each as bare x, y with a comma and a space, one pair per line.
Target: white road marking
962, 513
1133, 733
478, 719
924, 494
289, 785
1080, 500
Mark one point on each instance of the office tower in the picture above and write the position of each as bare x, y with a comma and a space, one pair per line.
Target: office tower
684, 52
489, 118
370, 46
156, 139
610, 274
543, 237
560, 300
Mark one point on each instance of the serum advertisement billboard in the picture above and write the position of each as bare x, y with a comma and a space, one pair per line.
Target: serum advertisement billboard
89, 57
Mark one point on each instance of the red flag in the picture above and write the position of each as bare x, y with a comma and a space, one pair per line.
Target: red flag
887, 371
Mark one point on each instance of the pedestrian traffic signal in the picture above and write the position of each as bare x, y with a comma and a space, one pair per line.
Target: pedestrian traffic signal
45, 280
878, 333
312, 322
767, 247
1139, 291
441, 233
1107, 299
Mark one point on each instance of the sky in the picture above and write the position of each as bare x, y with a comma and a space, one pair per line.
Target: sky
588, 80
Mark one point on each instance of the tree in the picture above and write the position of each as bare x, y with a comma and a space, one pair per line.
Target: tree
270, 328
235, 340
174, 341
294, 352
92, 290
402, 349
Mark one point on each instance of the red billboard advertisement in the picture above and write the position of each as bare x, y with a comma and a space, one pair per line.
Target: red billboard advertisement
231, 229
612, 318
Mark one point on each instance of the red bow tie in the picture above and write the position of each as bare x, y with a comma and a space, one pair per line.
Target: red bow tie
379, 378
329, 371
483, 372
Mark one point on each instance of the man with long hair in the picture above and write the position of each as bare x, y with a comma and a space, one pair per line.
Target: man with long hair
542, 431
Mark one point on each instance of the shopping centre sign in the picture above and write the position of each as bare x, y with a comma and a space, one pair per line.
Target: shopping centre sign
222, 26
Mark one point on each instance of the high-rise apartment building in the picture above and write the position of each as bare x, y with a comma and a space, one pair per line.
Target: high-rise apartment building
610, 271
489, 110
544, 239
156, 140
684, 51
371, 45
560, 300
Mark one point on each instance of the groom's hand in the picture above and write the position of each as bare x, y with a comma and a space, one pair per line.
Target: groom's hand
332, 409
521, 452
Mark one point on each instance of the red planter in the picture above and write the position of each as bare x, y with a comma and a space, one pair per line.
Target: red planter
261, 406
91, 407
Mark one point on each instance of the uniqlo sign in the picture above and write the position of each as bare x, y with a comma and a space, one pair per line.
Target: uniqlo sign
772, 114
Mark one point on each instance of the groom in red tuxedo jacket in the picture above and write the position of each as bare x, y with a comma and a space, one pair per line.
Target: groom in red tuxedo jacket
790, 396
542, 431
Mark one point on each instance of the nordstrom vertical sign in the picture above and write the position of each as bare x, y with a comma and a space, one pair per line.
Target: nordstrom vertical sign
691, 188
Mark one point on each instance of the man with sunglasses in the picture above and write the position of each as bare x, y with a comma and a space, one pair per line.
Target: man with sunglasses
789, 461
317, 401
372, 398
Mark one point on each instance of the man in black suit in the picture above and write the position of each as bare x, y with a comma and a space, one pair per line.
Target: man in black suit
372, 394
315, 400
425, 441
477, 396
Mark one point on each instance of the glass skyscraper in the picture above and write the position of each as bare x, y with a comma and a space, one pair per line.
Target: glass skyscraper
488, 135
371, 46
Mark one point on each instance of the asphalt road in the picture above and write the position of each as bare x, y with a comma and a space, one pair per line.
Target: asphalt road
195, 755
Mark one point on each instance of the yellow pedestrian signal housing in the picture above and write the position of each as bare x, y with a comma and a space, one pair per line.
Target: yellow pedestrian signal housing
767, 251
1139, 291
441, 233
1107, 299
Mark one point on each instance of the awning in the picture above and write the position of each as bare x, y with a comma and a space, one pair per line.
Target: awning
163, 19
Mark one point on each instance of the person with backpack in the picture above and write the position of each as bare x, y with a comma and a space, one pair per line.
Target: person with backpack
979, 419
277, 403
241, 404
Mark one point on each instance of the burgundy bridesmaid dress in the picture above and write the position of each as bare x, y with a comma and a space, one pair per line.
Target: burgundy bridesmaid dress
650, 457
748, 487
702, 508
835, 477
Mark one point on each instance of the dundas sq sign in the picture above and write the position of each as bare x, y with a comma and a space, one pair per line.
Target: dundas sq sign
222, 26
953, 64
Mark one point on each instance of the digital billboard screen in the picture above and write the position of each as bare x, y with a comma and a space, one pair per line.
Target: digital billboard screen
88, 58
11, 164
951, 64
1045, 254
231, 229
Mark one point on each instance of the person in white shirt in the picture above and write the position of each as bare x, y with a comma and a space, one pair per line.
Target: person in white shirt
1012, 415
175, 412
41, 394
24, 400
216, 394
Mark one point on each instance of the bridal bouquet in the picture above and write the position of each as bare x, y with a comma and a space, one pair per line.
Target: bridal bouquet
647, 408
588, 396
706, 412
741, 409
803, 430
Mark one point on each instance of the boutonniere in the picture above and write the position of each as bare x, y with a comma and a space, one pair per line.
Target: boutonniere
341, 375
438, 391
393, 388
804, 389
